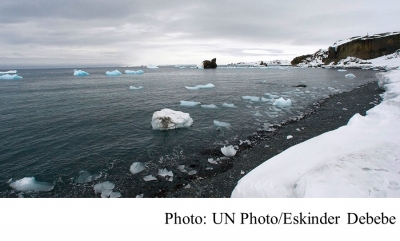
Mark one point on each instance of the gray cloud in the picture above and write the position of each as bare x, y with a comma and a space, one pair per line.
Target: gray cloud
124, 32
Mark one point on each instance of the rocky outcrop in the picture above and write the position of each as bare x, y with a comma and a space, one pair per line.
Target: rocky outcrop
367, 47
207, 64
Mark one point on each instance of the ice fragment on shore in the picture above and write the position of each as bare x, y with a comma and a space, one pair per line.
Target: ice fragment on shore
78, 72
139, 196
289, 137
228, 105
106, 190
84, 176
181, 168
192, 172
197, 87
251, 98
221, 123
164, 172
167, 119
136, 167
228, 150
281, 102
135, 88
10, 77
212, 161
149, 178
211, 106
113, 73
30, 184
350, 76
134, 72
189, 103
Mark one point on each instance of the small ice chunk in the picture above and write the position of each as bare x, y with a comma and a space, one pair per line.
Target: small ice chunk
211, 106
187, 186
272, 96
228, 105
350, 76
113, 73
192, 172
221, 123
104, 187
30, 184
78, 72
181, 168
115, 195
212, 161
241, 172
281, 102
84, 176
137, 167
149, 178
228, 150
164, 172
10, 77
341, 70
189, 103
289, 137
150, 66
134, 72
197, 87
251, 98
167, 119
139, 196
9, 72
135, 88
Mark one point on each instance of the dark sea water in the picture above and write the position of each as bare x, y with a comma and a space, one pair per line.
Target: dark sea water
73, 132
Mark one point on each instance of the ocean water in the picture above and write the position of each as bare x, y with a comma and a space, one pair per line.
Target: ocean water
73, 132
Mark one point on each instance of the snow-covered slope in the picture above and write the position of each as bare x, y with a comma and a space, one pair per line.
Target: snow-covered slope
361, 159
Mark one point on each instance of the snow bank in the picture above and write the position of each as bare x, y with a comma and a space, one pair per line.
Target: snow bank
197, 87
78, 72
134, 72
30, 184
10, 77
281, 102
360, 159
189, 103
135, 88
113, 73
167, 119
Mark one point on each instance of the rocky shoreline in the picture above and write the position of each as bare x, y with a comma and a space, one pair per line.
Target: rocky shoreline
326, 115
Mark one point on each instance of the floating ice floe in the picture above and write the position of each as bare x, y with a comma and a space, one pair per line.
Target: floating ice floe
78, 72
167, 119
27, 184
137, 167
350, 76
149, 178
228, 151
251, 98
113, 73
9, 72
272, 96
342, 70
181, 168
135, 88
289, 137
164, 172
222, 124
134, 72
150, 66
211, 106
84, 176
228, 105
10, 77
212, 161
106, 190
281, 102
197, 87
189, 103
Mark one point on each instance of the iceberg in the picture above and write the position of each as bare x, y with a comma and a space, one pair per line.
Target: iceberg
9, 72
281, 102
113, 73
78, 72
197, 87
137, 167
10, 77
228, 105
211, 106
189, 103
251, 98
27, 184
221, 123
167, 119
134, 72
135, 88
350, 76
228, 151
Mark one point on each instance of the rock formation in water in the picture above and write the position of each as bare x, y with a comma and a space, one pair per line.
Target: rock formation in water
207, 64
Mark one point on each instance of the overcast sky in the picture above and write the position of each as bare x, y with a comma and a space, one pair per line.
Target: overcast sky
127, 32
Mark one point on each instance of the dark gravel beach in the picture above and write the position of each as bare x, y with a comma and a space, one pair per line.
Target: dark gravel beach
327, 115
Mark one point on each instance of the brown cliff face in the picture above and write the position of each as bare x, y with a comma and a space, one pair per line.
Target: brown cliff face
368, 47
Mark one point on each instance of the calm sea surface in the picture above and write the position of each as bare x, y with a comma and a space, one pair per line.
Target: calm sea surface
73, 132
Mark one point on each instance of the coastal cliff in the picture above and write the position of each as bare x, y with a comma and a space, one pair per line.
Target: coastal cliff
367, 47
